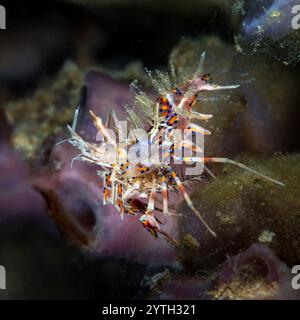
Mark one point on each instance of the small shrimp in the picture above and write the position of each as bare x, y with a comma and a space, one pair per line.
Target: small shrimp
127, 181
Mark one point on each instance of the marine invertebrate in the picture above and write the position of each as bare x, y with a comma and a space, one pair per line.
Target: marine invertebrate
166, 126
72, 194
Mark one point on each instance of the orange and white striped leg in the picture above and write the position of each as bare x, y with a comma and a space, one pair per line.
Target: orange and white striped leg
241, 165
165, 195
148, 220
190, 203
99, 125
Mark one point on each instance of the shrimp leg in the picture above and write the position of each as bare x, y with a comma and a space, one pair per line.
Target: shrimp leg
150, 222
226, 160
190, 203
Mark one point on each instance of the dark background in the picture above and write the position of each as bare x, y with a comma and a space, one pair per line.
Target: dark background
40, 37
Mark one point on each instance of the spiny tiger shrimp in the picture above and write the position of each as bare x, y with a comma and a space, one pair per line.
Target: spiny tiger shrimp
128, 178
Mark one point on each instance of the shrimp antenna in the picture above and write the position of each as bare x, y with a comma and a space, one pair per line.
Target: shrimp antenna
200, 67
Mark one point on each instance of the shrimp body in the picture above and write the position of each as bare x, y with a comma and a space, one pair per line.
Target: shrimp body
133, 185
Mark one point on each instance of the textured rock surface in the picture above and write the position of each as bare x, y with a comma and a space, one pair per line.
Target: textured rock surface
240, 206
255, 273
50, 108
266, 28
17, 198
